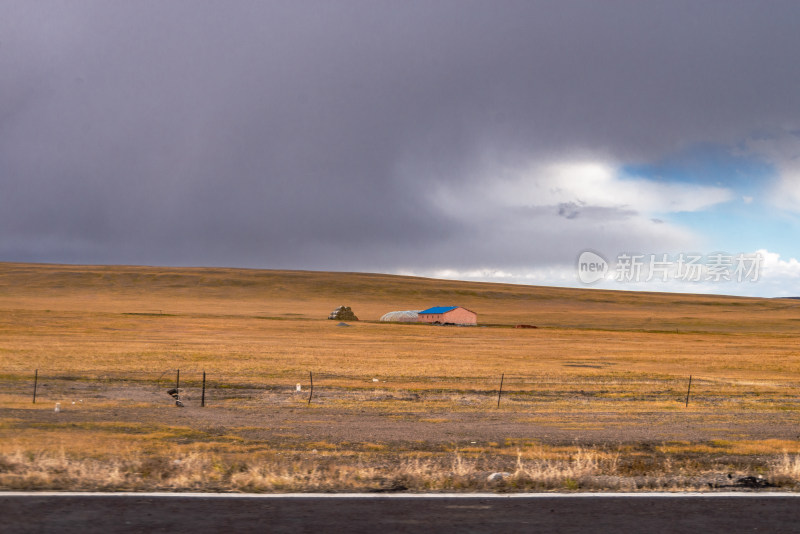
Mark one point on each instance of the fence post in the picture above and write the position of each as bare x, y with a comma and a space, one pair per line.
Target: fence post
178, 381
499, 393
35, 384
311, 394
203, 395
688, 391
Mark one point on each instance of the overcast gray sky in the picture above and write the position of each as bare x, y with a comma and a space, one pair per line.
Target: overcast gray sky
472, 139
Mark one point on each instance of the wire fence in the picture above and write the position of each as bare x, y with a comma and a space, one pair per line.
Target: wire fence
196, 387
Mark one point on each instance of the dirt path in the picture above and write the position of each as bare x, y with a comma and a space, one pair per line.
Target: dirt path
279, 424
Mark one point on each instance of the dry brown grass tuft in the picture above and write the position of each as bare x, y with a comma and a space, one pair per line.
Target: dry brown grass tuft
198, 470
785, 470
541, 469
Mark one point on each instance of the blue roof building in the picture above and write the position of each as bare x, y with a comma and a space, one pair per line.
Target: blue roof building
448, 315
439, 309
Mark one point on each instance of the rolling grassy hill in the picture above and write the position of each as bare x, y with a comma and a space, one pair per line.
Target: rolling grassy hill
250, 322
312, 295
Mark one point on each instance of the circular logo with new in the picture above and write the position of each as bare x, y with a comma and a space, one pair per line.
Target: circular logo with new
592, 267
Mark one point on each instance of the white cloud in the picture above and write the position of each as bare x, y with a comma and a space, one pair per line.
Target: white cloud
600, 184
578, 184
786, 194
776, 268
547, 214
783, 152
775, 277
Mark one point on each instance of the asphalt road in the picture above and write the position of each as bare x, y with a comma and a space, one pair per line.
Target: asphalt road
89, 513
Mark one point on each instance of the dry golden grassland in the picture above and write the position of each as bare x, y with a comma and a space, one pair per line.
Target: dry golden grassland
593, 399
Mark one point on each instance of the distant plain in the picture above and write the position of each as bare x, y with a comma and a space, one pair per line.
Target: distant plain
594, 398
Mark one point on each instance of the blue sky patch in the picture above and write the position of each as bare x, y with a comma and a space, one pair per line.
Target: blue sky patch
747, 222
710, 165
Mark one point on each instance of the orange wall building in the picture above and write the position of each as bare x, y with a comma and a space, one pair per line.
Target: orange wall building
449, 315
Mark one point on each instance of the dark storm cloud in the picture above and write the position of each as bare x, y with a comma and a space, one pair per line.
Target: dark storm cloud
311, 134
